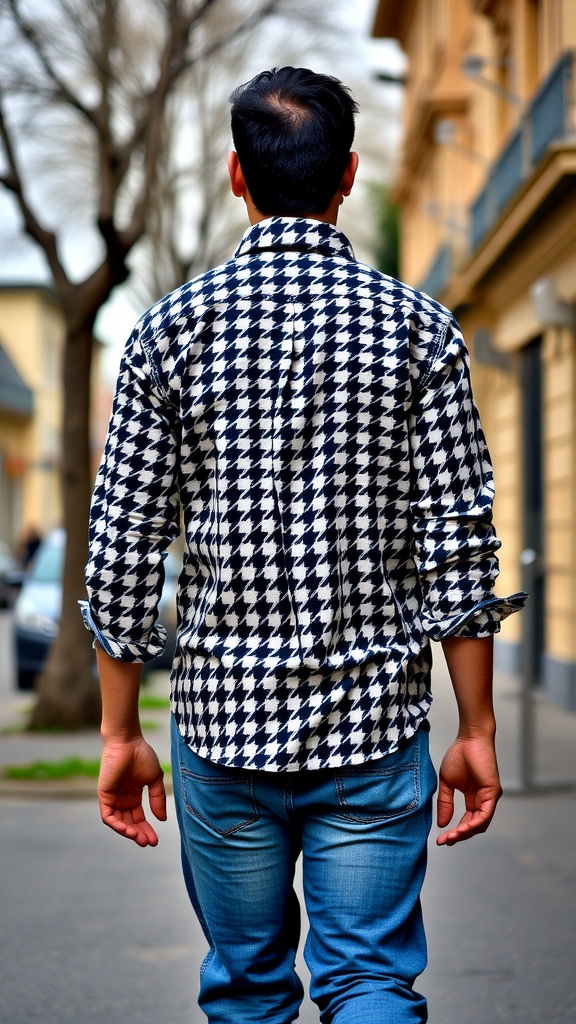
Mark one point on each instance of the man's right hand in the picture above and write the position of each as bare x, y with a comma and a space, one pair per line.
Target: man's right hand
127, 767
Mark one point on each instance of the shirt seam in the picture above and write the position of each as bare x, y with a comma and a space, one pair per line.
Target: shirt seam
441, 337
154, 373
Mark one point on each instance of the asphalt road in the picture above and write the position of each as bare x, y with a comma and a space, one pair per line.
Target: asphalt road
94, 929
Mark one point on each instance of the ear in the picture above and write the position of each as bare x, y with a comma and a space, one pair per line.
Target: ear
237, 183
349, 175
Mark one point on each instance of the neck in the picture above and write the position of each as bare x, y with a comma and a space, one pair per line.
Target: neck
329, 217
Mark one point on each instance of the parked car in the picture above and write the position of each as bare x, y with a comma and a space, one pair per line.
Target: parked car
11, 576
37, 609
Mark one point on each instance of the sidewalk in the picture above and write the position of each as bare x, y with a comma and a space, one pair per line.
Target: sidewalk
555, 746
18, 747
500, 910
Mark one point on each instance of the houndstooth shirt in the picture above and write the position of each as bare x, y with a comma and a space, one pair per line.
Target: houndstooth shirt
310, 422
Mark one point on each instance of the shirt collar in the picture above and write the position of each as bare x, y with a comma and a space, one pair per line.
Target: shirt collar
295, 234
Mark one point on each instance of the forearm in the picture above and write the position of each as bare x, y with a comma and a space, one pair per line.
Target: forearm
470, 662
129, 764
124, 576
120, 686
469, 765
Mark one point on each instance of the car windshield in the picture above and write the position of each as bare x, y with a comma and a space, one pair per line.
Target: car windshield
47, 566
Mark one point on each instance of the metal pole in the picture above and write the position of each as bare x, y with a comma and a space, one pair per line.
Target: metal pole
529, 563
527, 783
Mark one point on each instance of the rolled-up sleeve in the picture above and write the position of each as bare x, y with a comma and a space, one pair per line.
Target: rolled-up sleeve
452, 492
134, 514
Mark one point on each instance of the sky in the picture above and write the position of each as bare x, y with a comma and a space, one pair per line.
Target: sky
21, 261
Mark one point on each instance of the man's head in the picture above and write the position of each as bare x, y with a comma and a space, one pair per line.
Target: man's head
293, 131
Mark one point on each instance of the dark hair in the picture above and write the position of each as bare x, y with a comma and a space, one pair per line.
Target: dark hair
293, 131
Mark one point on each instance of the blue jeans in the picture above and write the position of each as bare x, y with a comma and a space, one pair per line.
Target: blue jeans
362, 832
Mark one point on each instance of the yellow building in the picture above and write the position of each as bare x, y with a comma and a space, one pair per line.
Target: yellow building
32, 332
31, 344
487, 193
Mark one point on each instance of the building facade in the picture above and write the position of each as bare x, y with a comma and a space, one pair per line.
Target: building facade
487, 193
32, 334
31, 344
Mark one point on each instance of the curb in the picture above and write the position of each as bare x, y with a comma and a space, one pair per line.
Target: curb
52, 789
76, 788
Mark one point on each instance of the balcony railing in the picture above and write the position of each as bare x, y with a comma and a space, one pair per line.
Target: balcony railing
438, 273
549, 113
546, 120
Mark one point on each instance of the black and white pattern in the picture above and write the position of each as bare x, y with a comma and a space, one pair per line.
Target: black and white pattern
312, 422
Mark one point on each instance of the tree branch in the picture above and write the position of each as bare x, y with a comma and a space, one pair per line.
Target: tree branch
174, 62
61, 89
148, 131
44, 238
264, 12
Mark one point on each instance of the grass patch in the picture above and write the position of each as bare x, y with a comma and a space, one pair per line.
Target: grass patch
56, 730
151, 703
13, 730
67, 768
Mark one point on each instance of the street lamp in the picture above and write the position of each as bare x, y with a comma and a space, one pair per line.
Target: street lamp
444, 134
473, 65
389, 77
444, 214
550, 309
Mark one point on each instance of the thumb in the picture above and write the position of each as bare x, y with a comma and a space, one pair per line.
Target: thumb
157, 799
444, 803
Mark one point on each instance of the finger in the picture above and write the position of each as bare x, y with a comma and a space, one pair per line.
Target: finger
114, 819
157, 800
129, 825
471, 824
145, 834
139, 829
444, 804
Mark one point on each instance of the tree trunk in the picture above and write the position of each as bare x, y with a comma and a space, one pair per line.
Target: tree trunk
68, 692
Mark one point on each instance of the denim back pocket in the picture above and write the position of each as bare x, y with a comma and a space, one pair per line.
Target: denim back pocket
223, 801
385, 789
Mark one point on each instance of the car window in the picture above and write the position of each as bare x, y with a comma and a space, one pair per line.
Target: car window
172, 565
47, 565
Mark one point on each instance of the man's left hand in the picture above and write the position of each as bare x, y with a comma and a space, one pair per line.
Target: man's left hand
470, 766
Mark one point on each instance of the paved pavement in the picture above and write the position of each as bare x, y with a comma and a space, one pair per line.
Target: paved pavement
92, 927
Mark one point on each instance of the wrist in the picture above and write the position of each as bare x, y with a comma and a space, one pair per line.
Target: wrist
120, 735
485, 730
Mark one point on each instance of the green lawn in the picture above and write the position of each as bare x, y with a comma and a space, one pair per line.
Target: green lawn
67, 768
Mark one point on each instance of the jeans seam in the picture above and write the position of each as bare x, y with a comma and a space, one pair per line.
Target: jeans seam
186, 773
206, 961
348, 813
215, 782
376, 772
288, 800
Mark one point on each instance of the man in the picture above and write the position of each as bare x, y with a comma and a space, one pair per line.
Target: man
310, 421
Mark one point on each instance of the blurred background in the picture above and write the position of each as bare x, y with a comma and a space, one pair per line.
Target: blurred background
114, 133
113, 190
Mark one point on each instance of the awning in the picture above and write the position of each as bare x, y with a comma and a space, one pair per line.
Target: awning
16, 398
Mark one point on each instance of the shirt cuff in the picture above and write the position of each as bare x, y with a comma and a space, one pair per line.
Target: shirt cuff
481, 620
124, 650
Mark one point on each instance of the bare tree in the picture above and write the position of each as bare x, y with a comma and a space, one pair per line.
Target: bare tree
87, 90
194, 221
192, 225
113, 122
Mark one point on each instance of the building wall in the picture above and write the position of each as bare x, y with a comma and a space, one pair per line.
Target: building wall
32, 332
560, 446
485, 266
